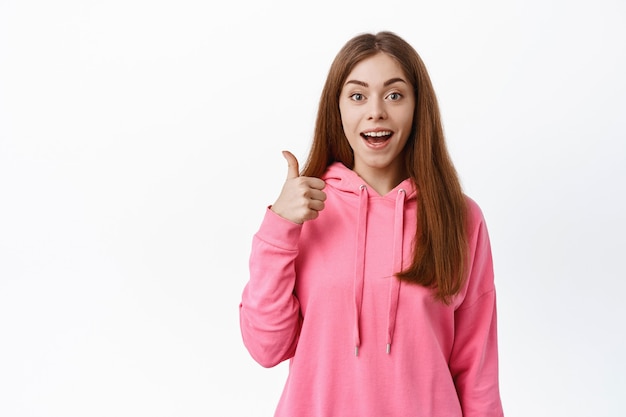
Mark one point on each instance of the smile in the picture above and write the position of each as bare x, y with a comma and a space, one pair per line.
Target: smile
377, 138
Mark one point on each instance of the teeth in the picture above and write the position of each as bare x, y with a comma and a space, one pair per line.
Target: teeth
377, 134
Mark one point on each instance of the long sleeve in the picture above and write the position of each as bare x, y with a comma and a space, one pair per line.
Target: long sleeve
474, 359
269, 311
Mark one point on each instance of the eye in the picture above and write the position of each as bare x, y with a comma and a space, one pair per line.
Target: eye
394, 96
357, 97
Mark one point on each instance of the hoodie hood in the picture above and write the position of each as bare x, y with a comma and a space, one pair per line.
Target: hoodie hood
345, 180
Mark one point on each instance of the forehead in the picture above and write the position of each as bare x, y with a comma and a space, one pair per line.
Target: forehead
379, 67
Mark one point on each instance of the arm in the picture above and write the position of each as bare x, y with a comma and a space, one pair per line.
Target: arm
269, 310
474, 359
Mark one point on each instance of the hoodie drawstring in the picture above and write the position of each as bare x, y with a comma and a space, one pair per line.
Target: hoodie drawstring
394, 285
359, 269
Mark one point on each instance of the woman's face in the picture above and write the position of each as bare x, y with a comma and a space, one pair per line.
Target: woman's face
377, 104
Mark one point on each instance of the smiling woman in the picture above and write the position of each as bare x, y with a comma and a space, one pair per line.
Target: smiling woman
372, 273
377, 107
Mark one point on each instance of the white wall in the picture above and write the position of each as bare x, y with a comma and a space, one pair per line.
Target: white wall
140, 143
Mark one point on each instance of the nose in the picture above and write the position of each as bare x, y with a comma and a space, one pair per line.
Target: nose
377, 110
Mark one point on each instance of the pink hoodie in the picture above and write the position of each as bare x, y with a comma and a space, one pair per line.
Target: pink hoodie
360, 342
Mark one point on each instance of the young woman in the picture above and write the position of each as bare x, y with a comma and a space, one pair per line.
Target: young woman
372, 271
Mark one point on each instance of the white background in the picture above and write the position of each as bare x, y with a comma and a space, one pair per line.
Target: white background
140, 144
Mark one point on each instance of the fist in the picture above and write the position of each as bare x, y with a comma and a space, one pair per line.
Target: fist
301, 198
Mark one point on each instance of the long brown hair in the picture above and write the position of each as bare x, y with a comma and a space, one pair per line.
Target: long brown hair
440, 247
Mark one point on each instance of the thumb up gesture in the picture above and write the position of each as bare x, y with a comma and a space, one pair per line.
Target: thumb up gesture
301, 198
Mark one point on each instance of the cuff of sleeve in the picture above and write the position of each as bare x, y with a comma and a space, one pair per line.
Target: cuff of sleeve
279, 231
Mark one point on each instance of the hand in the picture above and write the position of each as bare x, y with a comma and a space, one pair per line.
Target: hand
301, 198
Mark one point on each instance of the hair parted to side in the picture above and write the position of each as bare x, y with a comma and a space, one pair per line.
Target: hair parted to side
441, 243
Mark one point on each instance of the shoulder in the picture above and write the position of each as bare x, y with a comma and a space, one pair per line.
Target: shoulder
474, 213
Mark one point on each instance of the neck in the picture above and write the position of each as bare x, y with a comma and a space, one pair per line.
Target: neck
381, 180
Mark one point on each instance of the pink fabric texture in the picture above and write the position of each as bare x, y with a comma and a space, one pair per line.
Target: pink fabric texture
360, 343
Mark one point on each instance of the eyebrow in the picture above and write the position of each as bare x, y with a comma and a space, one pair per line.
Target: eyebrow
387, 83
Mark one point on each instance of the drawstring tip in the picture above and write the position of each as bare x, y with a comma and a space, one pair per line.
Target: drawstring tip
356, 351
388, 348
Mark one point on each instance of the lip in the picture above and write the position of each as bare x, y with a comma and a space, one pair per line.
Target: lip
372, 142
376, 130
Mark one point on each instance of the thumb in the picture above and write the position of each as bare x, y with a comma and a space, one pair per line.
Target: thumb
293, 170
